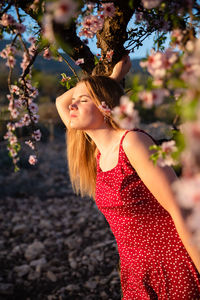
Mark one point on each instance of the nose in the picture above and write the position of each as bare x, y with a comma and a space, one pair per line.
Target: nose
72, 106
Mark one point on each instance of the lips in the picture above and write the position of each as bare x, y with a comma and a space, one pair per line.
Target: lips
73, 116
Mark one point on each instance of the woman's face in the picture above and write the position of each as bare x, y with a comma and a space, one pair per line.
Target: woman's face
84, 114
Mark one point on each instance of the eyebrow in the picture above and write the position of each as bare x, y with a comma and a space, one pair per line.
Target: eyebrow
81, 96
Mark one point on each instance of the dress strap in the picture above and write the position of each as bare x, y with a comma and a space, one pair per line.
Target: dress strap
136, 129
123, 136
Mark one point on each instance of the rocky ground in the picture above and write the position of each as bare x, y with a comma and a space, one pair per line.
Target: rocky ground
53, 244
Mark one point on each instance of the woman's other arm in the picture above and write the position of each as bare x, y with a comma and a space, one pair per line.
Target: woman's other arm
158, 180
121, 68
62, 105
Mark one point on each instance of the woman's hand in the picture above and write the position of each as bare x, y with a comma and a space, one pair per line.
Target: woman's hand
121, 68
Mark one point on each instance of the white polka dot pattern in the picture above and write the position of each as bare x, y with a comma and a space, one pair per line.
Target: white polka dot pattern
154, 262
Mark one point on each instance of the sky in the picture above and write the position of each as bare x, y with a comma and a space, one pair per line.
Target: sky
138, 53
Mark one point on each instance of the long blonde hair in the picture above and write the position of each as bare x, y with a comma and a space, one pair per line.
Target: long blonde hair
81, 150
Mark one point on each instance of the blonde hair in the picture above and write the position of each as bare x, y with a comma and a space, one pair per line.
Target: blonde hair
81, 150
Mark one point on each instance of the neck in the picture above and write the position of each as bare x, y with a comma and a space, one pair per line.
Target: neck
104, 137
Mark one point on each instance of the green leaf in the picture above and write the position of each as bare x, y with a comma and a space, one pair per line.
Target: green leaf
96, 60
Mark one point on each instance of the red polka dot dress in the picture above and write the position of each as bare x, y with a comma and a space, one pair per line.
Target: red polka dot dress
154, 262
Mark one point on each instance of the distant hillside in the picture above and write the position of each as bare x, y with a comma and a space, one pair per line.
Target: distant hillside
55, 67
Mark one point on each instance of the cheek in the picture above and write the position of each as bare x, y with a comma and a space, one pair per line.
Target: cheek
96, 115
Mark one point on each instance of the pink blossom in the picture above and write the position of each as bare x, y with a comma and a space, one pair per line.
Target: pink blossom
159, 62
109, 55
47, 54
91, 24
11, 62
12, 152
191, 131
188, 191
33, 107
177, 36
125, 115
10, 126
7, 135
34, 93
13, 139
30, 144
108, 9
35, 5
65, 78
154, 97
37, 135
79, 61
138, 17
32, 39
8, 51
14, 113
87, 33
105, 108
149, 4
90, 6
7, 20
20, 28
169, 147
32, 160
190, 46
47, 28
18, 103
35, 118
25, 120
32, 49
15, 89
62, 10
165, 154
25, 61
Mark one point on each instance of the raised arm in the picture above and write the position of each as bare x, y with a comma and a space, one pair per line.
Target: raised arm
63, 101
62, 105
158, 180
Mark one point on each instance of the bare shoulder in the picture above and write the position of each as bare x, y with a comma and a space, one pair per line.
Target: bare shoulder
136, 146
135, 140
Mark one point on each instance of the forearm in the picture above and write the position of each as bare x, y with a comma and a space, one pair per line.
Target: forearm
186, 238
62, 105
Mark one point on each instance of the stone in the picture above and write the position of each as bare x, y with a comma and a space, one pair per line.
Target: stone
39, 264
22, 270
6, 288
19, 229
91, 284
34, 250
51, 276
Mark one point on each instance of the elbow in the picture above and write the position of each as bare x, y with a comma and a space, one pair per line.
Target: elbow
57, 101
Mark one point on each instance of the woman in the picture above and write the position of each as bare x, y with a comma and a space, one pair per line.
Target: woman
156, 257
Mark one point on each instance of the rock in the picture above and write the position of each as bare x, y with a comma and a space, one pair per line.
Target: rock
45, 224
22, 270
19, 229
73, 263
6, 288
72, 287
91, 284
34, 250
2, 244
39, 264
32, 276
51, 276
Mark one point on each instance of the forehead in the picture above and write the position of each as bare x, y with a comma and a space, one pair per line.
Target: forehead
80, 89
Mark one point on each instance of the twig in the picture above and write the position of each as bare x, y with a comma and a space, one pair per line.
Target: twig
6, 9
20, 36
72, 69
